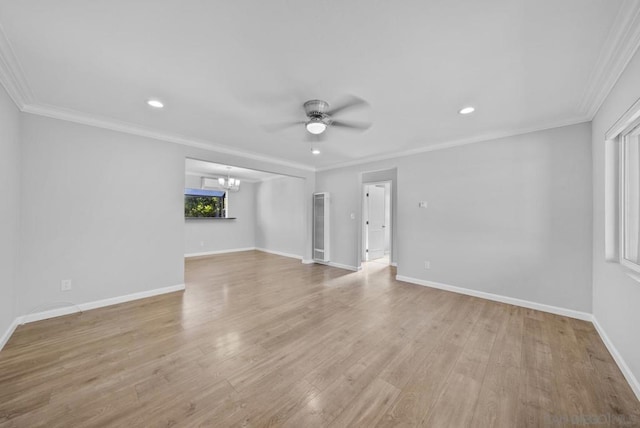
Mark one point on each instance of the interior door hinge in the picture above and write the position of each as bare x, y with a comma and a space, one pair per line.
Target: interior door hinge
367, 222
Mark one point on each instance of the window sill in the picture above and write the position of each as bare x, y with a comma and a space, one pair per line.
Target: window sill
633, 276
626, 270
210, 218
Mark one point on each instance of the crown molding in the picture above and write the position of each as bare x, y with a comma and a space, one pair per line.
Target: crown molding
12, 75
129, 128
619, 47
455, 143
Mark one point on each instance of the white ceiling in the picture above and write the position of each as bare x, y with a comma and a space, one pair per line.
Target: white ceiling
210, 169
225, 69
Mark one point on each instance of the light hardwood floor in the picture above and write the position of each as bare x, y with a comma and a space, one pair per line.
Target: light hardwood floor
262, 340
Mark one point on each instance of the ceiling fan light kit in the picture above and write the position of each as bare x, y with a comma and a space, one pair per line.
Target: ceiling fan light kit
316, 111
316, 126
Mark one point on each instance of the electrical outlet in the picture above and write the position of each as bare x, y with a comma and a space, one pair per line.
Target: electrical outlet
423, 204
427, 264
65, 285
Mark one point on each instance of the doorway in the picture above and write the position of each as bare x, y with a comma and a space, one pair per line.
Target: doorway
376, 219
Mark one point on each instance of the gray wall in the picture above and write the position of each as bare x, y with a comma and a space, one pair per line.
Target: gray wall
203, 235
108, 212
10, 206
280, 205
616, 297
102, 208
510, 216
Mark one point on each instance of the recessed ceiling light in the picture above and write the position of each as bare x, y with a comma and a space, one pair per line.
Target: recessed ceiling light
155, 103
467, 110
315, 151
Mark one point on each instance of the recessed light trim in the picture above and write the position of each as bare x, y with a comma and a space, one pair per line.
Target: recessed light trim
467, 110
315, 151
155, 103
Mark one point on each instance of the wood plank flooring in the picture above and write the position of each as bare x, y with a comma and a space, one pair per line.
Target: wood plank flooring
262, 340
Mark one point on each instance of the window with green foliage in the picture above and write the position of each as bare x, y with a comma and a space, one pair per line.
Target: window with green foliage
200, 203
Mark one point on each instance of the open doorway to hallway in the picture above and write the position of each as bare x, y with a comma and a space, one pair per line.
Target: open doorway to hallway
376, 222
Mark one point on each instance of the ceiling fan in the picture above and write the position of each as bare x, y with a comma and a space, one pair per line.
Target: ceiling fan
320, 117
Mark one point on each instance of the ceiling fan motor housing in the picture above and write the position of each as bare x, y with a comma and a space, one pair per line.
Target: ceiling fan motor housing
320, 116
316, 108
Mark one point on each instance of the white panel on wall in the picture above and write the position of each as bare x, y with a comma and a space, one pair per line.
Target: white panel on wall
209, 183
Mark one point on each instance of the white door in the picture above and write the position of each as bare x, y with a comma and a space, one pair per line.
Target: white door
375, 222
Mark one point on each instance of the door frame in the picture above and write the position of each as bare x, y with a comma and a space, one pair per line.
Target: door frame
363, 227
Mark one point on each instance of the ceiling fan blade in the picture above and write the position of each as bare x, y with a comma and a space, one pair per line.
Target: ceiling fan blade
350, 102
358, 126
275, 127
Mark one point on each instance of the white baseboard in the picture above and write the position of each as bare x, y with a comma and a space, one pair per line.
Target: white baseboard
279, 253
394, 264
97, 304
211, 253
237, 250
307, 261
347, 267
624, 368
498, 298
617, 357
7, 334
339, 265
24, 319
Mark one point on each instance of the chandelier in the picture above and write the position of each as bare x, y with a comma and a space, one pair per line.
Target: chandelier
228, 183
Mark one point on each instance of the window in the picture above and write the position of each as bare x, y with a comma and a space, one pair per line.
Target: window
622, 191
200, 203
630, 196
